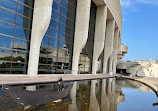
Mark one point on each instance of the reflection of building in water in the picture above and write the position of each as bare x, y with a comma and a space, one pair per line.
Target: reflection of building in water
93, 105
61, 36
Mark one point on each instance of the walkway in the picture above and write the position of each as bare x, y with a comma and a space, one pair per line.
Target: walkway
48, 79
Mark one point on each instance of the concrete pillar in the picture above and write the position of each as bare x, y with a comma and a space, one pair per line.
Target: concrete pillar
41, 20
115, 58
99, 37
81, 31
108, 43
114, 52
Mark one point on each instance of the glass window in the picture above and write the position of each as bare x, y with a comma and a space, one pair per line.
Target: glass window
45, 40
5, 67
55, 24
60, 39
61, 44
24, 22
65, 3
18, 68
64, 11
15, 32
54, 33
5, 55
22, 33
9, 4
19, 57
25, 11
53, 42
62, 28
7, 16
21, 44
29, 3
62, 36
6, 29
56, 6
55, 15
6, 41
63, 20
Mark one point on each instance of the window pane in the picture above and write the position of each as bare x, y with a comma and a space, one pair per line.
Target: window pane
6, 29
7, 16
6, 41
23, 10
24, 22
55, 15
18, 68
53, 42
22, 33
54, 33
29, 3
6, 4
55, 24
56, 6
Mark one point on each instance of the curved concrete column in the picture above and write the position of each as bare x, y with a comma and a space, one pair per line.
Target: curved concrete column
73, 106
99, 39
108, 43
114, 52
41, 20
104, 97
115, 61
94, 105
81, 31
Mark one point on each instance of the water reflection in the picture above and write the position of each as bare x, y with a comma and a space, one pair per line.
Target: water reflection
94, 105
104, 98
94, 95
73, 105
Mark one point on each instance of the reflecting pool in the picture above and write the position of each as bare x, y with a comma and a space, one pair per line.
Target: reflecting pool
90, 95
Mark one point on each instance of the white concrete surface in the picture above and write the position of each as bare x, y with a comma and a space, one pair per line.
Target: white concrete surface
108, 48
41, 19
81, 31
99, 39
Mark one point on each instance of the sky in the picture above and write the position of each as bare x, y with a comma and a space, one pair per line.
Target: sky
140, 29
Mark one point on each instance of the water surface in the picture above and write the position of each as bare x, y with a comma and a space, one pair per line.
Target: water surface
92, 95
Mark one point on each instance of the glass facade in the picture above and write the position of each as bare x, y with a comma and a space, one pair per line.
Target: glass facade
57, 45
56, 49
86, 56
15, 31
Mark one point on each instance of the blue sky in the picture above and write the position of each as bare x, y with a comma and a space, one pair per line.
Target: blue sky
140, 29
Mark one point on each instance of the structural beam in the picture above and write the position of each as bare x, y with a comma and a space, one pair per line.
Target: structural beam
41, 20
81, 31
99, 39
108, 48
